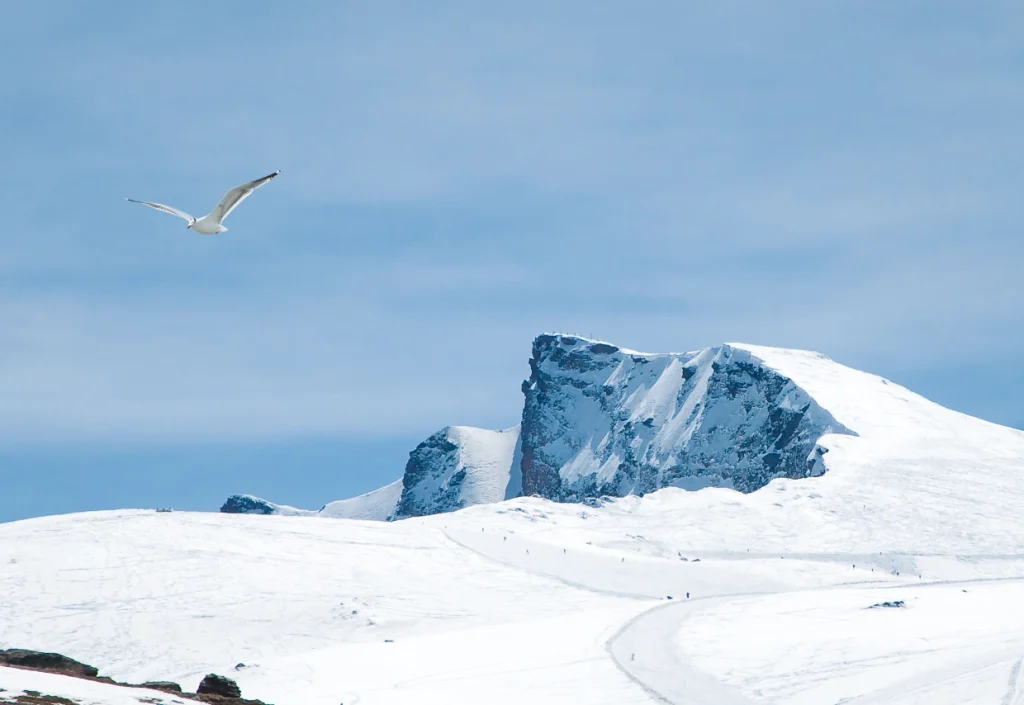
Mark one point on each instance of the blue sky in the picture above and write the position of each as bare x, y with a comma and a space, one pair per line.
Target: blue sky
457, 178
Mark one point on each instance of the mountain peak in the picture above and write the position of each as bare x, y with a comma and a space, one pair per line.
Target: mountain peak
599, 419
602, 420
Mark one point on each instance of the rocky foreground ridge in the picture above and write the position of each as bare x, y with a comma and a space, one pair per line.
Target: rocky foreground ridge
213, 690
600, 420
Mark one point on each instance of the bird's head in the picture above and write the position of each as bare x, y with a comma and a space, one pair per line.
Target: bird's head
191, 222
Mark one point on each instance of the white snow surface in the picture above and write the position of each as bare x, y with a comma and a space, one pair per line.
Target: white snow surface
486, 457
378, 505
532, 601
521, 601
17, 681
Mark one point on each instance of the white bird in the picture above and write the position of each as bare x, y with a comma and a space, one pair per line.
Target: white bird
210, 224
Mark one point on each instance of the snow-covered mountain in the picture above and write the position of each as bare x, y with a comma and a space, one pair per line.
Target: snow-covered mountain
886, 568
600, 420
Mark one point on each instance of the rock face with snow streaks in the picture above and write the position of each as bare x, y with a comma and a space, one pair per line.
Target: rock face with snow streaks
600, 420
457, 467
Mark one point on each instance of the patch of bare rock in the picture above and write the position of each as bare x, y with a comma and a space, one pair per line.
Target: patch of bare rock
214, 689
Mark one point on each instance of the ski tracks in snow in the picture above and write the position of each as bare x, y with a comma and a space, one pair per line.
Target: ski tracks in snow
645, 650
1015, 688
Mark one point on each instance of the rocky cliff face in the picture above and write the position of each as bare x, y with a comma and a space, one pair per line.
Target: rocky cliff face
602, 420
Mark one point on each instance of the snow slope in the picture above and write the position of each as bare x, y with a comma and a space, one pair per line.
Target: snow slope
380, 505
16, 681
522, 601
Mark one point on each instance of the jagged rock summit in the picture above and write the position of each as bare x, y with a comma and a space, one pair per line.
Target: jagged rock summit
601, 420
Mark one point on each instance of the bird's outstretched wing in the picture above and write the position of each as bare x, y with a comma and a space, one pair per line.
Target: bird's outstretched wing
238, 194
165, 209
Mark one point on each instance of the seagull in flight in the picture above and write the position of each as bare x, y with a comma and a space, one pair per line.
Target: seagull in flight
210, 224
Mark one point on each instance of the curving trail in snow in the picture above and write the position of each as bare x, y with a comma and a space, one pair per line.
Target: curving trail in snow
645, 650
651, 648
933, 658
1015, 687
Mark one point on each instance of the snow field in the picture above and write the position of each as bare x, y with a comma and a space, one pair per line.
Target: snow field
521, 600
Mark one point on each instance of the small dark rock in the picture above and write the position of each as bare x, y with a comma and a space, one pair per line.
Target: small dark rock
894, 603
44, 661
213, 684
165, 686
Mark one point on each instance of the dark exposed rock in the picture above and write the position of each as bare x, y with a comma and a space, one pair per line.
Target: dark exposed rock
46, 661
214, 689
33, 697
246, 504
166, 686
434, 456
213, 684
593, 425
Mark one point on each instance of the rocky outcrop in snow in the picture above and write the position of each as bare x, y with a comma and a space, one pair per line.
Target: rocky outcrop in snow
601, 420
247, 504
378, 505
457, 467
